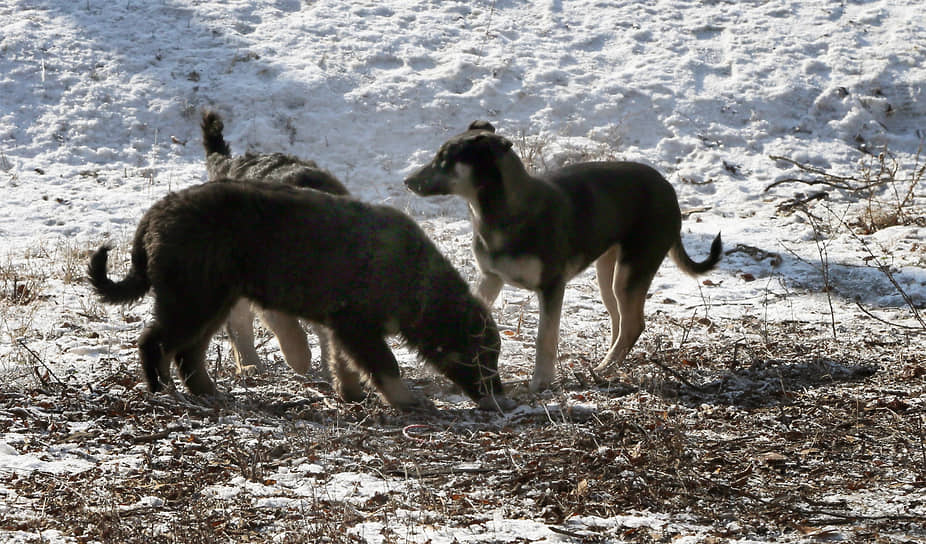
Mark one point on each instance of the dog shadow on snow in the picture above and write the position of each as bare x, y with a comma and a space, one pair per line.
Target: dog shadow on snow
761, 383
772, 382
860, 283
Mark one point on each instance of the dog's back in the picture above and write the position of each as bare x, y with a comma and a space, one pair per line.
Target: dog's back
261, 236
271, 167
282, 168
616, 201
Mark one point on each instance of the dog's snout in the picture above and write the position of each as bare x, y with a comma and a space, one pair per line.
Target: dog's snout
413, 181
425, 181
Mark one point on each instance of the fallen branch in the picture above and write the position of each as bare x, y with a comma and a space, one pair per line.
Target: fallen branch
151, 437
756, 253
39, 360
867, 312
797, 202
847, 183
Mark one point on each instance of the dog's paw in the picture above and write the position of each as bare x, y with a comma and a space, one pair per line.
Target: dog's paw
245, 371
497, 403
219, 399
416, 405
351, 392
400, 397
540, 383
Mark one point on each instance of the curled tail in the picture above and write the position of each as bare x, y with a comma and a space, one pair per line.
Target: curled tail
681, 258
213, 142
132, 287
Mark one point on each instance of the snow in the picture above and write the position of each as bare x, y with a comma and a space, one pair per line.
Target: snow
57, 460
99, 111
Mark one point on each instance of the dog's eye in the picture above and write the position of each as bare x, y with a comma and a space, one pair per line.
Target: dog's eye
442, 162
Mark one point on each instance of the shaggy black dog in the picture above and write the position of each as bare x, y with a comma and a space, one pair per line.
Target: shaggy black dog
280, 168
363, 271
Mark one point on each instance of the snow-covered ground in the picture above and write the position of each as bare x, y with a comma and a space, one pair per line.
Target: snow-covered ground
100, 104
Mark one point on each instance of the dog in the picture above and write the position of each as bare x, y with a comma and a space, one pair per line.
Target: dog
537, 233
362, 271
280, 168
276, 167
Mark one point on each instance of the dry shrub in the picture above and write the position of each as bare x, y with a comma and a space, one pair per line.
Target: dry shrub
20, 284
888, 192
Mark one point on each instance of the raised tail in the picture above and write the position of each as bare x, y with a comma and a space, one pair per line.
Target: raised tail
213, 142
683, 261
132, 287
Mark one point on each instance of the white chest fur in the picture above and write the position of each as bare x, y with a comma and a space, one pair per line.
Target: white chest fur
525, 271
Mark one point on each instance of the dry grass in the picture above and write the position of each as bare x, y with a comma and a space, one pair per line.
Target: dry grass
766, 431
775, 437
889, 194
20, 283
882, 194
536, 152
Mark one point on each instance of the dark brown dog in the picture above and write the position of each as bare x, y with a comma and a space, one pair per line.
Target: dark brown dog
279, 168
363, 271
539, 232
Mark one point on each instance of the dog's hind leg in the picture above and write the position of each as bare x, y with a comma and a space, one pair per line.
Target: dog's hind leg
240, 328
369, 351
154, 360
192, 366
190, 338
326, 347
551, 307
345, 379
183, 325
291, 336
606, 267
630, 285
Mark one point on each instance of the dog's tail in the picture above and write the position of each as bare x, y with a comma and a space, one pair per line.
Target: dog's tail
683, 261
213, 142
132, 287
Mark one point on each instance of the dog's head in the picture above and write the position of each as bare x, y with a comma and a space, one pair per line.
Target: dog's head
463, 163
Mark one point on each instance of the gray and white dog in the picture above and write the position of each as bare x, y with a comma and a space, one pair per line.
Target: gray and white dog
538, 232
278, 168
362, 271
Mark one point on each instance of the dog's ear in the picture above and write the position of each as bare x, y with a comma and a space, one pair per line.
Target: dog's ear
481, 125
500, 145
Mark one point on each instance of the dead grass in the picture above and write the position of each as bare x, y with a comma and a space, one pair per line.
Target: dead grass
20, 283
537, 155
531, 150
890, 194
881, 194
766, 431
787, 437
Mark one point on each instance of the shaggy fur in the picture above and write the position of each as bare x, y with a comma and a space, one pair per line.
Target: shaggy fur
280, 168
539, 232
276, 167
363, 271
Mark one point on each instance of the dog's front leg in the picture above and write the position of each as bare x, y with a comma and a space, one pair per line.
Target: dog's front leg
490, 285
551, 306
371, 354
337, 366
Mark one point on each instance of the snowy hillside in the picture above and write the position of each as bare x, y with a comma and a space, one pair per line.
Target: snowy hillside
99, 118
